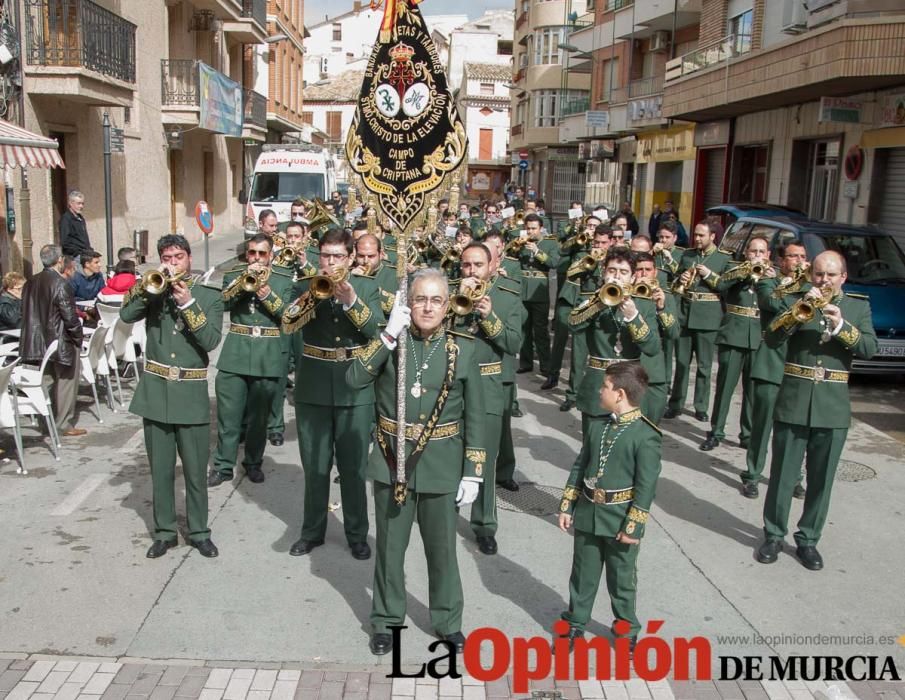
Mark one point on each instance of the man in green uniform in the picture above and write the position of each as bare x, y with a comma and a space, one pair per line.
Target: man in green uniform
369, 254
184, 323
536, 258
608, 497
813, 409
613, 332
252, 361
496, 324
700, 315
667, 255
445, 454
331, 417
738, 340
769, 361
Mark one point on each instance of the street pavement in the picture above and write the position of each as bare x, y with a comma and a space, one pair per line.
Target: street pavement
85, 614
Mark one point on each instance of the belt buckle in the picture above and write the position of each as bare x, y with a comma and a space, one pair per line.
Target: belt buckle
340, 354
599, 496
255, 331
173, 374
819, 374
417, 430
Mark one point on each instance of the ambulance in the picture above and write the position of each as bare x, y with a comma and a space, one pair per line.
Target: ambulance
283, 173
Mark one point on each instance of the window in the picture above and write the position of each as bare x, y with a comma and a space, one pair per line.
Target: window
546, 45
545, 107
486, 89
307, 117
609, 77
869, 259
337, 31
334, 125
521, 110
485, 144
740, 28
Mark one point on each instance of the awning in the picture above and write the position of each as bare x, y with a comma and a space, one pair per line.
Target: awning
21, 147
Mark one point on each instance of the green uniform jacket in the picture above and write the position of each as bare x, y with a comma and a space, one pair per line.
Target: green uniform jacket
323, 382
248, 351
536, 269
387, 285
824, 403
702, 315
569, 250
180, 339
769, 361
513, 272
737, 329
446, 460
498, 335
620, 459
668, 325
667, 265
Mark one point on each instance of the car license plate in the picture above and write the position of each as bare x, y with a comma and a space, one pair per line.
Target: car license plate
892, 350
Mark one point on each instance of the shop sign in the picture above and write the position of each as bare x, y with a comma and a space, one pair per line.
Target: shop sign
668, 145
840, 109
712, 133
892, 110
481, 181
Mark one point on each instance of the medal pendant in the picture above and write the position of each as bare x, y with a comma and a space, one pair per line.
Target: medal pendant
180, 324
416, 390
618, 347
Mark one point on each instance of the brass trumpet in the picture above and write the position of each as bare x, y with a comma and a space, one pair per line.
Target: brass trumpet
516, 245
645, 288
463, 303
279, 240
679, 287
452, 255
323, 286
759, 269
582, 239
287, 256
155, 282
318, 216
613, 293
589, 262
805, 309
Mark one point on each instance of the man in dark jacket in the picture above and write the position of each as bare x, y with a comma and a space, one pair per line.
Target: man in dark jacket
48, 314
89, 281
73, 229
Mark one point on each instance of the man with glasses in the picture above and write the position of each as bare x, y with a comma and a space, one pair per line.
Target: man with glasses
331, 417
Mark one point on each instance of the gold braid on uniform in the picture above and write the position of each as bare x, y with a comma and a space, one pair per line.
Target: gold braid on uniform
638, 331
569, 496
388, 300
368, 353
742, 271
492, 325
666, 319
635, 516
233, 288
849, 335
194, 320
272, 303
136, 290
299, 313
359, 317
586, 311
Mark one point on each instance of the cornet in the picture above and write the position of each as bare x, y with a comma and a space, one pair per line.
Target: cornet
516, 245
589, 262
323, 286
463, 303
155, 282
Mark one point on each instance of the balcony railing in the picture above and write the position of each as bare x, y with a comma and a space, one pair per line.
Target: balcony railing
516, 130
575, 106
79, 33
646, 86
256, 10
255, 109
576, 25
710, 55
618, 95
179, 82
618, 4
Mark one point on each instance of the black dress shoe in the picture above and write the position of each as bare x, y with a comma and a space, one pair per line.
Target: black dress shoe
487, 544
709, 443
573, 634
205, 548
304, 546
524, 370
360, 550
701, 416
566, 405
672, 413
809, 557
381, 643
216, 478
255, 476
799, 492
508, 484
768, 552
160, 547
457, 639
551, 382
516, 413
276, 439
749, 489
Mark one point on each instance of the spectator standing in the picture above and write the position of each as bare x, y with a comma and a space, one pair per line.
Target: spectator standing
11, 301
87, 282
73, 230
653, 223
630, 218
48, 314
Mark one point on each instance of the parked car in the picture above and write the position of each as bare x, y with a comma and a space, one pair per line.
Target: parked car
876, 268
730, 213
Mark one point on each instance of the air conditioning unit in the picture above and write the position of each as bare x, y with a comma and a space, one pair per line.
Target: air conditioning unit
659, 41
794, 16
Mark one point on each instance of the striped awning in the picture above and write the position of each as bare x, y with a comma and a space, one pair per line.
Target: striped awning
21, 147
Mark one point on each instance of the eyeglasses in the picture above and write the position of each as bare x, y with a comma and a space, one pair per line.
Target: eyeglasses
333, 256
432, 301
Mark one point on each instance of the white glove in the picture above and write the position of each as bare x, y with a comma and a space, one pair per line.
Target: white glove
400, 319
467, 493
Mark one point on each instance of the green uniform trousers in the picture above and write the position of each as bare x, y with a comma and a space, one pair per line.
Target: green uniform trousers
734, 362
505, 463
536, 334
701, 343
560, 335
346, 432
436, 515
790, 443
192, 443
577, 363
240, 397
653, 403
763, 398
589, 556
483, 510
276, 423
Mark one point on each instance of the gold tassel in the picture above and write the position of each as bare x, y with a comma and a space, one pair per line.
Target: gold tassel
399, 493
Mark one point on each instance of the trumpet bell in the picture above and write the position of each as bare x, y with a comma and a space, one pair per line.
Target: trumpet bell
612, 294
287, 256
318, 216
155, 283
323, 286
643, 290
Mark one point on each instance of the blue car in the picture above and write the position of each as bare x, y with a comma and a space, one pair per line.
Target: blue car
876, 268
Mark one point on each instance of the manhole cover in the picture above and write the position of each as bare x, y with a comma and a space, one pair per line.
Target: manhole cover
534, 499
854, 471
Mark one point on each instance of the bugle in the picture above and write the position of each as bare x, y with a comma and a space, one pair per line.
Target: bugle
645, 288
680, 287
156, 282
323, 286
463, 303
613, 293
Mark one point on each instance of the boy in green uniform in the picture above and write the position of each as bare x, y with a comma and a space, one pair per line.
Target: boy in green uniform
608, 497
445, 454
813, 409
184, 323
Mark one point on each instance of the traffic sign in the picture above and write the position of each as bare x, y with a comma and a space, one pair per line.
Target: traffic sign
853, 163
523, 165
523, 155
204, 218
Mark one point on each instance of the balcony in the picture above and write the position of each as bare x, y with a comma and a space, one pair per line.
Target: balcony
577, 105
250, 27
180, 95
651, 85
613, 5
254, 122
77, 50
723, 80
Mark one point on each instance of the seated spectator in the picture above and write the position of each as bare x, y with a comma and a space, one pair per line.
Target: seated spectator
127, 253
88, 281
123, 278
11, 301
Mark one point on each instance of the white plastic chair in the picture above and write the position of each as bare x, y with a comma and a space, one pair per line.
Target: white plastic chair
108, 314
120, 346
9, 411
33, 397
90, 356
205, 278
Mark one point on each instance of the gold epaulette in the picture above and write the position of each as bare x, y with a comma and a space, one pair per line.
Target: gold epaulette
460, 334
550, 237
651, 424
856, 295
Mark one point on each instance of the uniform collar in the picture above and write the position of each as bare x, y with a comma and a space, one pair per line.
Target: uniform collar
416, 334
627, 417
711, 248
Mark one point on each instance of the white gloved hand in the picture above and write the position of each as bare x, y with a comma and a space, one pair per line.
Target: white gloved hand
467, 493
400, 319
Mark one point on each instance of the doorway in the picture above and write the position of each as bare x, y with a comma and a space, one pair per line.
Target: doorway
58, 189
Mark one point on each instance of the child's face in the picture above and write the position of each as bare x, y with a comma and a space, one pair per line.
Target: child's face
609, 397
